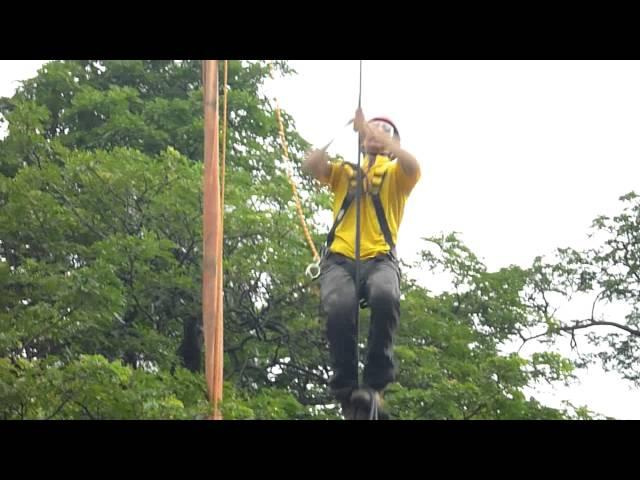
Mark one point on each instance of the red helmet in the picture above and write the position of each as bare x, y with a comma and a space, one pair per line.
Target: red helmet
396, 134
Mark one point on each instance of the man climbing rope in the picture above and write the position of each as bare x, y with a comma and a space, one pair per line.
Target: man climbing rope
389, 174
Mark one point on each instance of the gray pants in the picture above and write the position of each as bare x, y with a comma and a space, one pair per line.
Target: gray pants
380, 288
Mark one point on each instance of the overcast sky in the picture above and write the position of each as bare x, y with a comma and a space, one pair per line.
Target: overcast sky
518, 156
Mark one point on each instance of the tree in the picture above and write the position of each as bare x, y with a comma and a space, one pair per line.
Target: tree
101, 211
606, 274
453, 363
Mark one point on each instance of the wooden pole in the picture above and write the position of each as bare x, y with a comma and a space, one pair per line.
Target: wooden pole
211, 318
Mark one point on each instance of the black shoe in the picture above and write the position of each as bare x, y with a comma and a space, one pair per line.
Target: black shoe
343, 395
367, 402
348, 410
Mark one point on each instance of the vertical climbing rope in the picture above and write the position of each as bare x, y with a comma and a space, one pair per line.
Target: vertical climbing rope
357, 239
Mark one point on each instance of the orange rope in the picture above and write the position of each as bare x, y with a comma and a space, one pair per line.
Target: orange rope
224, 135
296, 197
211, 210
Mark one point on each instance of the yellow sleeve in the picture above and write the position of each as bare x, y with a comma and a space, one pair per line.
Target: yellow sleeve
404, 182
337, 171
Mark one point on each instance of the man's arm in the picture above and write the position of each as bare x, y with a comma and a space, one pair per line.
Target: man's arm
407, 162
317, 164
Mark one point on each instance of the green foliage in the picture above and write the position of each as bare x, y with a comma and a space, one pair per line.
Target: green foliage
91, 387
450, 356
607, 274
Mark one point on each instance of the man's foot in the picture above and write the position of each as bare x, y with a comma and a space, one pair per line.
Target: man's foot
367, 404
348, 410
343, 395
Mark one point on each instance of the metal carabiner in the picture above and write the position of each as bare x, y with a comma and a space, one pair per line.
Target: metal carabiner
313, 270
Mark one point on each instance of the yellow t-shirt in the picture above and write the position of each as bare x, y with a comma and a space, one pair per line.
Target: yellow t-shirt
394, 193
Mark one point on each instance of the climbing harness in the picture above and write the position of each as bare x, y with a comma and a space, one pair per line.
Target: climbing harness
373, 191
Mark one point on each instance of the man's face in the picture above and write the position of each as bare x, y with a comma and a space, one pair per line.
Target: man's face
381, 128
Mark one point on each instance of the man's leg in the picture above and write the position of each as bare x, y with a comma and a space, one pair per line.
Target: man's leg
382, 288
382, 292
338, 300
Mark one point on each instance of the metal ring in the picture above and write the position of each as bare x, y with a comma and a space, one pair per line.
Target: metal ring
313, 270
